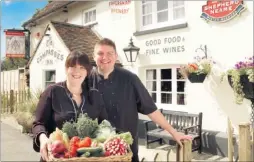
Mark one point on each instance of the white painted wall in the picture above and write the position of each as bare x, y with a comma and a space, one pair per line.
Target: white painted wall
114, 26
37, 69
224, 42
227, 43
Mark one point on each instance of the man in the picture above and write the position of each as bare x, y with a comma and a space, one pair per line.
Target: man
125, 96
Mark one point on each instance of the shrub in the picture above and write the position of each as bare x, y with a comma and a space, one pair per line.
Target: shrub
25, 119
26, 112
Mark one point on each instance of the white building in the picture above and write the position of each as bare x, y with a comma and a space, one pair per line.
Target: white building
167, 33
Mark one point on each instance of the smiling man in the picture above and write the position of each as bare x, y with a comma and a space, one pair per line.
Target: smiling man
124, 95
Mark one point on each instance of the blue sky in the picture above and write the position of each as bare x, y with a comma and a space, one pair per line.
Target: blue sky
14, 13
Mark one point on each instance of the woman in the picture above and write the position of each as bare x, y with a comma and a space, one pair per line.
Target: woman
64, 101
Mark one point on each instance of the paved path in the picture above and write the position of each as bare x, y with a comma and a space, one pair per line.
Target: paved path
16, 146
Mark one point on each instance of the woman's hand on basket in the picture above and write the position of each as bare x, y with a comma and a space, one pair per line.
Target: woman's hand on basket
45, 147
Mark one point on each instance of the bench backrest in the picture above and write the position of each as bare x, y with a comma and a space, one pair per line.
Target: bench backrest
180, 120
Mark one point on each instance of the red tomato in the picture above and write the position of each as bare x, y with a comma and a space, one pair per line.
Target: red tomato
86, 142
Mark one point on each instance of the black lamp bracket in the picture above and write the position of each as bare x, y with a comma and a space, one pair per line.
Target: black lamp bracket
203, 49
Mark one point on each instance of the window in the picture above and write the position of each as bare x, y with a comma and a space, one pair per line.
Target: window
89, 17
162, 13
50, 77
166, 86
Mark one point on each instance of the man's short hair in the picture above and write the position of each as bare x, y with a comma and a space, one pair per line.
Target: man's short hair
106, 41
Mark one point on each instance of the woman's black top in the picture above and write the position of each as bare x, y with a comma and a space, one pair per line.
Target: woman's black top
57, 106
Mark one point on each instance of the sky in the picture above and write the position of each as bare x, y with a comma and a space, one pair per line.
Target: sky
14, 13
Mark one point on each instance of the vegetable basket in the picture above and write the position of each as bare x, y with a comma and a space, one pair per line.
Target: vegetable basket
115, 158
87, 140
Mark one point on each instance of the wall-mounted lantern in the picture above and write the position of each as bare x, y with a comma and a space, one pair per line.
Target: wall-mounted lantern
131, 52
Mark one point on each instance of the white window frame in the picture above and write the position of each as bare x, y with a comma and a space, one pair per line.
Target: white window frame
154, 24
84, 15
44, 77
174, 105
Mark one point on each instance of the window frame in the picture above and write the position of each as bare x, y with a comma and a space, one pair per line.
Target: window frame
154, 13
44, 77
174, 92
84, 15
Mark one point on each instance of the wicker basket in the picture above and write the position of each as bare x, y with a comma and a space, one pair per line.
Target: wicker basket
116, 158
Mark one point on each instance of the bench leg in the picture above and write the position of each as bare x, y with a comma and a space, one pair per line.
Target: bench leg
161, 141
200, 146
147, 142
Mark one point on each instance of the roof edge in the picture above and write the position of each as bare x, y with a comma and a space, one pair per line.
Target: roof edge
45, 14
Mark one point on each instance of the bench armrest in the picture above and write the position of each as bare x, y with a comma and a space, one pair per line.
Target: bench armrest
146, 124
147, 121
187, 128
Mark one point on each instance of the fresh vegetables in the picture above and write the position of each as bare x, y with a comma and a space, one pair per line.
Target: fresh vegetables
92, 150
86, 127
70, 129
87, 138
104, 131
116, 146
127, 137
58, 148
86, 142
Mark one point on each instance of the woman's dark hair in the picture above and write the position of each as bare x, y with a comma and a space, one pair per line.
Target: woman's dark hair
78, 58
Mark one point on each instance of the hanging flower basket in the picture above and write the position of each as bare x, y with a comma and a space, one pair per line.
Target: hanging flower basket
197, 71
248, 87
196, 78
241, 79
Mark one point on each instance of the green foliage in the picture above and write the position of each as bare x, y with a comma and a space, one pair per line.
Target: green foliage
241, 68
13, 63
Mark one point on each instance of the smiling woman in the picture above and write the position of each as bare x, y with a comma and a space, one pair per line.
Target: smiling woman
65, 101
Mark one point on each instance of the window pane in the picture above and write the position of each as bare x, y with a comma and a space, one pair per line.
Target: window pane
162, 16
166, 74
179, 13
90, 16
50, 76
177, 3
94, 15
180, 99
166, 86
150, 74
162, 5
86, 18
151, 85
180, 86
178, 74
153, 95
48, 83
166, 98
147, 20
147, 8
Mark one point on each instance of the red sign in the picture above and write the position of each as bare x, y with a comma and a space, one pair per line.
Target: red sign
15, 44
222, 11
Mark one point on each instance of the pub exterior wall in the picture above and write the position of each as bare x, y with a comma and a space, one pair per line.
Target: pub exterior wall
223, 40
55, 62
227, 43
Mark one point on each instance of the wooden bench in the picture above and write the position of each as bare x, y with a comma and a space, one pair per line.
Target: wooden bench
189, 124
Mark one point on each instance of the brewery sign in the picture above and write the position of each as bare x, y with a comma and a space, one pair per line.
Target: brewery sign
222, 11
